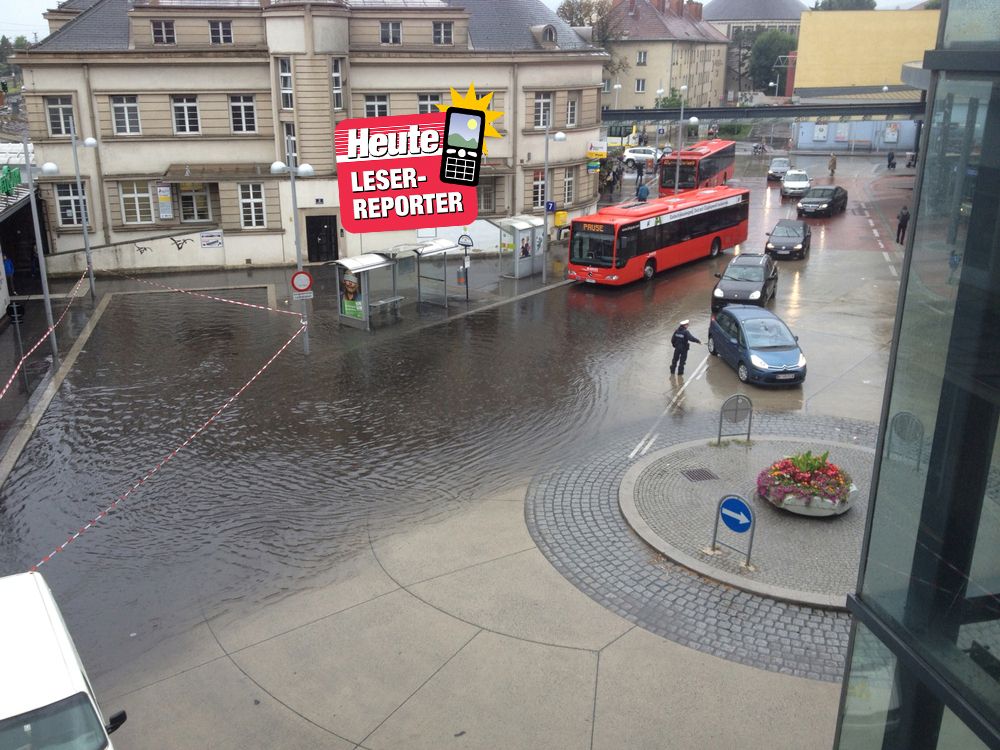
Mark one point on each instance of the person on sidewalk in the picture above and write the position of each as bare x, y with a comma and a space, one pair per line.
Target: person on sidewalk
640, 169
832, 165
890, 159
8, 271
903, 218
642, 193
681, 341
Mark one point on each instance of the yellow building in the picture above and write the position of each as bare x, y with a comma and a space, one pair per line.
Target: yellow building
859, 51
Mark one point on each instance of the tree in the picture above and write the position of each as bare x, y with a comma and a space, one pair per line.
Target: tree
608, 26
669, 102
844, 5
739, 54
21, 42
5, 48
766, 50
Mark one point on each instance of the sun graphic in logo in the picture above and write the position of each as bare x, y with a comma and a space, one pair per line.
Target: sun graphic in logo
471, 101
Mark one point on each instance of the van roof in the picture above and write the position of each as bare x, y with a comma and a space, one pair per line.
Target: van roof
40, 664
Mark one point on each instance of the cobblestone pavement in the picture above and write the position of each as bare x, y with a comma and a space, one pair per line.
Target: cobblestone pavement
792, 552
573, 516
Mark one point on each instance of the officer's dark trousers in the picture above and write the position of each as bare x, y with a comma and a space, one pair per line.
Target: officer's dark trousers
680, 358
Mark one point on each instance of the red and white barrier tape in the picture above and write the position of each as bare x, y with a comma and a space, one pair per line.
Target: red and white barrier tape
48, 331
124, 496
210, 296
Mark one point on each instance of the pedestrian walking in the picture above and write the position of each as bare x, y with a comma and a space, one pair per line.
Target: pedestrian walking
8, 272
903, 217
619, 174
681, 341
890, 159
642, 193
640, 169
832, 165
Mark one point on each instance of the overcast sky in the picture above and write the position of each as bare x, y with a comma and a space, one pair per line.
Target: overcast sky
19, 17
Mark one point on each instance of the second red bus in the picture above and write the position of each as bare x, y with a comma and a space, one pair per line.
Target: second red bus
630, 241
702, 164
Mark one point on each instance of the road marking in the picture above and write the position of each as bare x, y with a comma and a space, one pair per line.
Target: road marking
880, 244
871, 221
886, 256
652, 435
649, 444
875, 232
892, 270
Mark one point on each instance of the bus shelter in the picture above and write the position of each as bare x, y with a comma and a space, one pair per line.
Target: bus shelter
358, 299
521, 246
439, 247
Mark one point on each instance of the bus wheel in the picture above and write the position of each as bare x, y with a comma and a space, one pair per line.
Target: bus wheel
716, 248
743, 373
649, 271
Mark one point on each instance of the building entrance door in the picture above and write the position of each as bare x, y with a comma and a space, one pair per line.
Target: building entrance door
321, 234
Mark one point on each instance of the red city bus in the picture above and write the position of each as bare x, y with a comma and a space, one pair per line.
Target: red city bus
630, 241
703, 164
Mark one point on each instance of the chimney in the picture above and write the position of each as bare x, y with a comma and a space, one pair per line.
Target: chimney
693, 10
677, 7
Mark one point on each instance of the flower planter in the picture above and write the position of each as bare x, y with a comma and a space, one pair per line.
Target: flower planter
808, 485
812, 505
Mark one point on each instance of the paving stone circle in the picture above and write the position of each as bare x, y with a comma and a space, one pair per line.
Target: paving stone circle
572, 514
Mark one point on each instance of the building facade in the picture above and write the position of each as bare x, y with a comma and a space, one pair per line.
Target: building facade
666, 45
924, 661
190, 102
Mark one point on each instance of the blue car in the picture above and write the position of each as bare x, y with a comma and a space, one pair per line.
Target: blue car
758, 345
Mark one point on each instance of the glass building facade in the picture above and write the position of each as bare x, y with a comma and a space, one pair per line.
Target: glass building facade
924, 664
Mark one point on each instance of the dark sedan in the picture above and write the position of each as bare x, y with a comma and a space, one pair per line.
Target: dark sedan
828, 199
749, 278
758, 345
789, 238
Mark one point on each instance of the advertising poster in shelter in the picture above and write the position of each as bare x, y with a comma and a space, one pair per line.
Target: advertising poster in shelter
820, 131
892, 132
843, 132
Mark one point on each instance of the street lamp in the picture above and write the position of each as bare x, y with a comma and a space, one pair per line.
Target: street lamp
88, 143
680, 142
558, 136
617, 87
776, 82
659, 94
48, 169
303, 170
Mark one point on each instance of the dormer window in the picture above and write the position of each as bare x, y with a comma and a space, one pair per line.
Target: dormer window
391, 32
549, 34
545, 35
443, 32
163, 32
220, 32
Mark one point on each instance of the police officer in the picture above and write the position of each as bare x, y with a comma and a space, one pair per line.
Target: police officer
681, 341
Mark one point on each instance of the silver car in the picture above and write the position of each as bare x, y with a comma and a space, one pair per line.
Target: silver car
795, 182
779, 165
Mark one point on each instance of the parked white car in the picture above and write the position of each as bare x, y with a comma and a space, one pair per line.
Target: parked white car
795, 182
643, 154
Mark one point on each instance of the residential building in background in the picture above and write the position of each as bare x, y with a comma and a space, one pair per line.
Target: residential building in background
924, 659
666, 45
191, 101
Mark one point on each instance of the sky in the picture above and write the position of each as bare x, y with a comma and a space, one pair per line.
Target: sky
25, 16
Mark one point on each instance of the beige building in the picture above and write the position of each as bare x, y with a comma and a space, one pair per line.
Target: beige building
190, 101
666, 45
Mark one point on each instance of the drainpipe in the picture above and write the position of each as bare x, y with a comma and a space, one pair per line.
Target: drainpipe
97, 180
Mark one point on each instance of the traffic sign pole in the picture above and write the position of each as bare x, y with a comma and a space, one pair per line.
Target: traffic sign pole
735, 512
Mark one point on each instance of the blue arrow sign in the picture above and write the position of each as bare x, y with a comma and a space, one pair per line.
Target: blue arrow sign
736, 514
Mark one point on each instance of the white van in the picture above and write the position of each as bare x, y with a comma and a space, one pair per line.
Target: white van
46, 701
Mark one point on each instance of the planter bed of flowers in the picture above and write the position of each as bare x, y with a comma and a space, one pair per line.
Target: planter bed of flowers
808, 485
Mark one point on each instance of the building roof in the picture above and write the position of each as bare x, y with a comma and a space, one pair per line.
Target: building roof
77, 5
102, 27
647, 23
753, 10
492, 26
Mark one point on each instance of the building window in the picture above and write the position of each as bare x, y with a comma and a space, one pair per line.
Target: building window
60, 109
572, 105
243, 113
377, 105
569, 186
543, 110
195, 203
549, 35
163, 32
137, 202
486, 195
220, 32
391, 32
291, 146
443, 32
337, 82
69, 204
186, 114
606, 86
427, 103
538, 189
252, 205
640, 85
285, 82
125, 114
640, 57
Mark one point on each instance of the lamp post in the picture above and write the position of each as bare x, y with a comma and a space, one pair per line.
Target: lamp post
303, 170
48, 168
558, 136
659, 93
680, 143
776, 82
617, 87
88, 143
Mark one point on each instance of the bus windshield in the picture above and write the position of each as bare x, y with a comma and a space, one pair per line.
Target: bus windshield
592, 248
688, 174
69, 724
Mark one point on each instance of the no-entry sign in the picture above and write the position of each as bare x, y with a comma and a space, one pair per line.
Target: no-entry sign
302, 281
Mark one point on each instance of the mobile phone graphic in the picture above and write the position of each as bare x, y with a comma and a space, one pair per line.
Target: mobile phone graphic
463, 146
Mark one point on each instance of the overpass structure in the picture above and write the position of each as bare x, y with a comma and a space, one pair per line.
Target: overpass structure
873, 111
